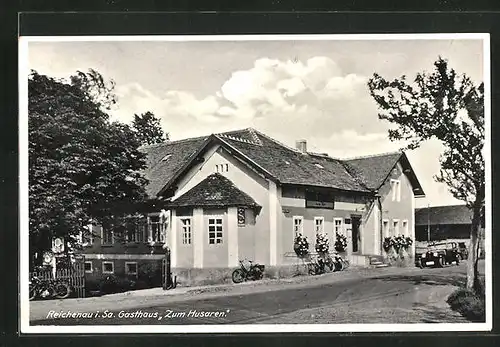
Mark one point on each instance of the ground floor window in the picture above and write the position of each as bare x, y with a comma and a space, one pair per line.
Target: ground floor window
108, 267
385, 227
186, 231
298, 225
337, 226
319, 226
405, 227
395, 227
131, 268
214, 231
88, 267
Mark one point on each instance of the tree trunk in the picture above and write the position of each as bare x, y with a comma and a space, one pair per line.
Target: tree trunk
472, 271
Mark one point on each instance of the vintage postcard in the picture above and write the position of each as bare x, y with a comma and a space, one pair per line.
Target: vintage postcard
271, 183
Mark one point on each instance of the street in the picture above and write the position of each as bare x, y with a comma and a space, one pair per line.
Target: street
390, 295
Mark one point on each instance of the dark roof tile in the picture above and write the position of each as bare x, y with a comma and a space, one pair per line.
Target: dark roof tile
439, 215
373, 170
163, 161
214, 191
287, 165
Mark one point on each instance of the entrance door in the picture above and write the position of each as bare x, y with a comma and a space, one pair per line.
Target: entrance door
356, 235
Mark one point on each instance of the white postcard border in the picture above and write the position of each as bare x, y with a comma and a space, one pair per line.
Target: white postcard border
25, 326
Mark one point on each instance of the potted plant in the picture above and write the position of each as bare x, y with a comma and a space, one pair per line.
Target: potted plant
340, 243
322, 244
301, 246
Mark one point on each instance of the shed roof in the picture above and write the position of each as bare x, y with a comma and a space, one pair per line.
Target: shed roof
441, 215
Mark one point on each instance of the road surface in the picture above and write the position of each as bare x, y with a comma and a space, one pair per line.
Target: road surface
385, 296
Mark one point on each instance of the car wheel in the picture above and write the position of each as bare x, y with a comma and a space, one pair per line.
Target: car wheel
440, 262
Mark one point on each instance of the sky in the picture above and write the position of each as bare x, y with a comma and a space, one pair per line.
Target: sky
289, 90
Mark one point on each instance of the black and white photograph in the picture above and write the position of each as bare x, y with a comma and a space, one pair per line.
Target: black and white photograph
255, 183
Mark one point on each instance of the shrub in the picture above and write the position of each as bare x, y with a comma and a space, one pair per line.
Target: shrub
150, 273
113, 284
468, 304
322, 244
340, 242
91, 287
301, 246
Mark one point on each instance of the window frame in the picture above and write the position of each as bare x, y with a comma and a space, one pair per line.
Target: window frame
404, 225
386, 230
186, 236
139, 229
136, 268
322, 219
341, 225
162, 229
396, 190
301, 219
91, 267
87, 241
103, 239
394, 223
112, 266
215, 224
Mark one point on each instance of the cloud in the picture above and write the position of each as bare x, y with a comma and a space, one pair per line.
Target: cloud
272, 92
272, 86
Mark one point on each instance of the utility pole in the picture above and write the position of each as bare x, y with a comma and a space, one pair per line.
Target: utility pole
428, 224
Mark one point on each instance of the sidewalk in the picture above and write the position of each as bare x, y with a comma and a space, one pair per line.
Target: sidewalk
158, 296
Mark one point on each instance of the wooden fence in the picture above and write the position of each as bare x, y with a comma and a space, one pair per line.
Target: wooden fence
75, 276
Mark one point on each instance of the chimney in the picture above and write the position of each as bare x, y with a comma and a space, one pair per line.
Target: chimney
301, 145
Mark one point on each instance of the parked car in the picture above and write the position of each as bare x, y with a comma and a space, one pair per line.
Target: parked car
440, 254
463, 251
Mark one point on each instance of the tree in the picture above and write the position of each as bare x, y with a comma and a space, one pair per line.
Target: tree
148, 129
81, 165
450, 108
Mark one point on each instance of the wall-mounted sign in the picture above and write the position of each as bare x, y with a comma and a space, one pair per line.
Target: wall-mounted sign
320, 204
241, 216
319, 200
58, 245
47, 258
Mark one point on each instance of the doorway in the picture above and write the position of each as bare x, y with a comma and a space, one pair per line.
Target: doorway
356, 233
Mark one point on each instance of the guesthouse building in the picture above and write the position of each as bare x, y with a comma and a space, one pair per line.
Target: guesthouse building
239, 195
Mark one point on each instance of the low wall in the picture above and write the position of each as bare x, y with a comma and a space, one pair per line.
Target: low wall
188, 277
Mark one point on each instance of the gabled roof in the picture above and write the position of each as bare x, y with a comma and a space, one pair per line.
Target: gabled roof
214, 191
439, 215
168, 162
165, 159
374, 170
290, 166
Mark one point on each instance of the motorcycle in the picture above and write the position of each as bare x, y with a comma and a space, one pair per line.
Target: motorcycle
46, 289
340, 263
248, 270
